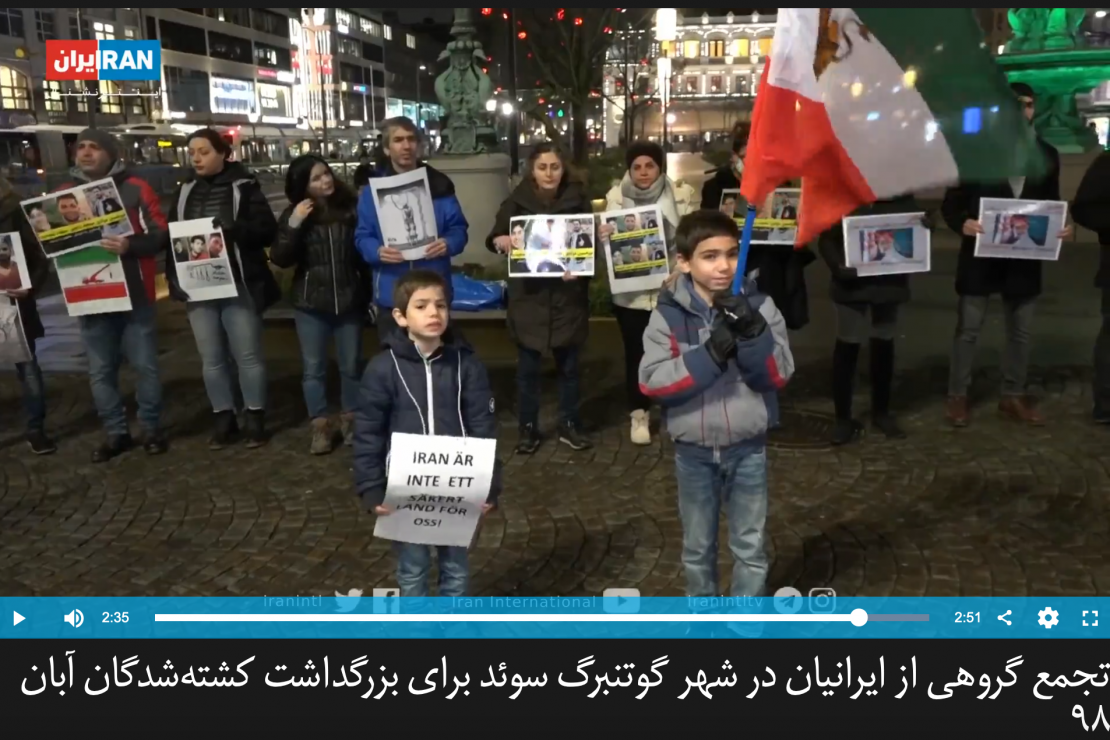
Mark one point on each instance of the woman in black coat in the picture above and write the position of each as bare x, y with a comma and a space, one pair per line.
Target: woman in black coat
37, 270
230, 195
331, 289
546, 313
855, 297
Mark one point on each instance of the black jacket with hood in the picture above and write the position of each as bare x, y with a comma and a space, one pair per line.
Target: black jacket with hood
37, 267
1091, 210
403, 393
235, 197
545, 313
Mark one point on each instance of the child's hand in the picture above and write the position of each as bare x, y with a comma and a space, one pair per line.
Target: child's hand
382, 510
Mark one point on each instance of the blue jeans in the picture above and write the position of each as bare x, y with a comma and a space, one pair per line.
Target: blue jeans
108, 337
735, 478
414, 565
314, 330
220, 325
34, 391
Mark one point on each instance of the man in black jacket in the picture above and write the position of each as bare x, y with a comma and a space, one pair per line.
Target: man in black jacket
1017, 280
1091, 210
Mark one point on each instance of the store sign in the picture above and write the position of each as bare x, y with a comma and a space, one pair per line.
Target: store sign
233, 96
359, 88
270, 74
287, 77
274, 100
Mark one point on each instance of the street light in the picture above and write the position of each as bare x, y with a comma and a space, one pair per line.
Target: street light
419, 105
506, 109
491, 105
666, 29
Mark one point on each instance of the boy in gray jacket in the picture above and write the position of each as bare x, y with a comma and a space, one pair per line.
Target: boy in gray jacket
716, 362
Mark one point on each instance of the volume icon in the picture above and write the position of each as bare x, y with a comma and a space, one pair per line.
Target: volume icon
75, 618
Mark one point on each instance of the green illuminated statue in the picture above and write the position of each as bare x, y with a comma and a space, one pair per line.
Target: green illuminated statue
1044, 29
464, 89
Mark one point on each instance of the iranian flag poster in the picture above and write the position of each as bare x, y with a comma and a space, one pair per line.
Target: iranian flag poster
92, 282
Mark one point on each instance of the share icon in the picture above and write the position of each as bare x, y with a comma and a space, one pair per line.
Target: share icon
1002, 618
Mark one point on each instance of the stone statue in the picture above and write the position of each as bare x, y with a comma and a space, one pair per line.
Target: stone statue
464, 88
1041, 29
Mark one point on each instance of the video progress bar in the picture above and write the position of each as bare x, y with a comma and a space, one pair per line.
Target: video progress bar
859, 617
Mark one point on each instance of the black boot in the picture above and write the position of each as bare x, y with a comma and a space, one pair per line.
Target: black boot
155, 443
225, 431
112, 448
882, 379
529, 440
845, 357
256, 429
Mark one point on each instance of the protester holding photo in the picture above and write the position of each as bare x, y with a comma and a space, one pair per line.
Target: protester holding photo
855, 297
108, 337
331, 290
645, 183
1018, 281
727, 176
546, 314
38, 268
401, 154
1091, 210
230, 195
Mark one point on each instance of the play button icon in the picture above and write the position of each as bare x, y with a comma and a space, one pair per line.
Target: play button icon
17, 618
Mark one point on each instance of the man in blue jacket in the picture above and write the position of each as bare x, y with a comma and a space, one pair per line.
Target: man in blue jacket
401, 146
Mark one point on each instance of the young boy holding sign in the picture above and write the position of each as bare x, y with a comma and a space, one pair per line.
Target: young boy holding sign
716, 362
427, 383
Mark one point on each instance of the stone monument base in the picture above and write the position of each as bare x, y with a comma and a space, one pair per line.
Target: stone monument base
481, 185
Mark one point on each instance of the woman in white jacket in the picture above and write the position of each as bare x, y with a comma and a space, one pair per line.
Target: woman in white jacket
644, 184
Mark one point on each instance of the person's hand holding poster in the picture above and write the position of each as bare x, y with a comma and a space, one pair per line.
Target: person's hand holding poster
80, 217
888, 244
200, 260
551, 246
14, 275
1021, 229
436, 489
635, 248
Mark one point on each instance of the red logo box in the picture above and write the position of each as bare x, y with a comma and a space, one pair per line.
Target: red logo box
71, 60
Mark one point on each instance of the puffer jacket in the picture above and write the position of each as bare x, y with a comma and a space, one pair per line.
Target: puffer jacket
331, 276
235, 197
404, 393
703, 404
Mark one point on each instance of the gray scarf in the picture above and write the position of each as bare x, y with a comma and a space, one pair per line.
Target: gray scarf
660, 193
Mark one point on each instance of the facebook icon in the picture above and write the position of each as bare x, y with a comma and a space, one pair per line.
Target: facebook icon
387, 601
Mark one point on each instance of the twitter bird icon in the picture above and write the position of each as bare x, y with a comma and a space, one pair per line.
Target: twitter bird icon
347, 604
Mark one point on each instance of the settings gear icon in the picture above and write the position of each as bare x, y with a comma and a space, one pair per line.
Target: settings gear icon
1048, 618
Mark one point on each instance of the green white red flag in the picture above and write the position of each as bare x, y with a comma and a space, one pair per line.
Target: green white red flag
865, 104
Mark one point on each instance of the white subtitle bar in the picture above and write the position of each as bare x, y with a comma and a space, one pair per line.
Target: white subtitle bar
858, 617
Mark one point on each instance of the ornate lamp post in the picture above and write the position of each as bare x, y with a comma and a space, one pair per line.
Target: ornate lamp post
666, 29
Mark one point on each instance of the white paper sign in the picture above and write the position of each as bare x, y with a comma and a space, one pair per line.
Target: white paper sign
13, 342
200, 260
436, 488
889, 244
68, 220
14, 273
636, 250
549, 246
1021, 229
406, 214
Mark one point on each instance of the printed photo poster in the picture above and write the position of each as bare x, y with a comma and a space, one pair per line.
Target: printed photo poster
1021, 229
92, 281
406, 214
76, 218
13, 342
13, 264
201, 261
890, 244
548, 246
776, 220
636, 251
435, 489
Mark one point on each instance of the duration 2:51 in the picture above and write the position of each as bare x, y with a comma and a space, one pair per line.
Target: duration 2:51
967, 618
115, 618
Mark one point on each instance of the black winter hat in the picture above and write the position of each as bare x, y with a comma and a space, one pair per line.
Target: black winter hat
646, 149
1022, 90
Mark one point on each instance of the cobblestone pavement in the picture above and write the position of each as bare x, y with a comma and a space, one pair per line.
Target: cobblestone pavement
990, 510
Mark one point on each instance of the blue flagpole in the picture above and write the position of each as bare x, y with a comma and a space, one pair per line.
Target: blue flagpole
745, 245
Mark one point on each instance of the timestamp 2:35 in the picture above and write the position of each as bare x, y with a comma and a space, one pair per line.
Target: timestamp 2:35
115, 618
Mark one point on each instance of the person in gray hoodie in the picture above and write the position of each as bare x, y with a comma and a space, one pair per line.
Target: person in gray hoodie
715, 362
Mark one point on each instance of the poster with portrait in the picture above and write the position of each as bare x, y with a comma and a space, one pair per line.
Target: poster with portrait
776, 220
14, 274
1021, 229
406, 214
200, 260
92, 282
636, 249
13, 342
549, 246
889, 244
69, 220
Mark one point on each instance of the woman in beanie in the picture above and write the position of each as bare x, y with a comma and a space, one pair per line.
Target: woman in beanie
331, 289
644, 184
229, 194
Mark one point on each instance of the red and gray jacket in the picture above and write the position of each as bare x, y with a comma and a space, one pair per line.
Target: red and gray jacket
151, 232
703, 404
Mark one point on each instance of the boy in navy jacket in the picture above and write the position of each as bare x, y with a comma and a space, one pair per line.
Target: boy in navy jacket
428, 382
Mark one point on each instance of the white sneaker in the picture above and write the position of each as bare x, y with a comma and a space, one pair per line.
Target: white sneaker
641, 432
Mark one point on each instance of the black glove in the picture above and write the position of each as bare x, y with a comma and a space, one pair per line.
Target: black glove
847, 273
742, 320
227, 227
928, 221
722, 343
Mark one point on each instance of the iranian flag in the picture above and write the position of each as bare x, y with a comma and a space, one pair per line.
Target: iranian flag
865, 104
